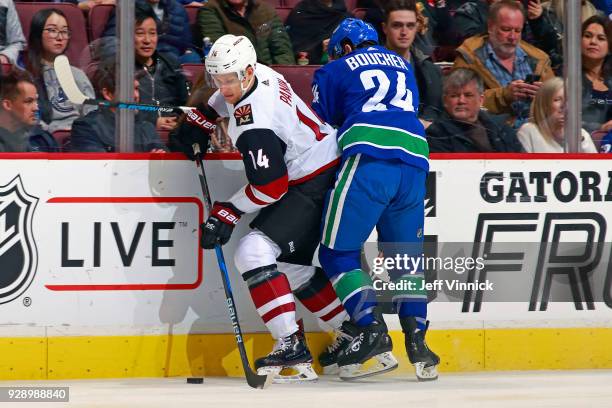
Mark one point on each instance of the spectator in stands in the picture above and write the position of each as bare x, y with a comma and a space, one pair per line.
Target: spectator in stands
96, 131
325, 15
192, 3
49, 38
400, 28
597, 74
161, 79
544, 131
86, 5
256, 20
435, 25
19, 131
546, 24
431, 21
174, 31
471, 19
464, 127
505, 62
12, 41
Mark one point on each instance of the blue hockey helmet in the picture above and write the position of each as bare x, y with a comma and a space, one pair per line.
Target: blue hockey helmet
354, 30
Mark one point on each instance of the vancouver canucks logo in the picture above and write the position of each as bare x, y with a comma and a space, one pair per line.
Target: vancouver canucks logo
18, 254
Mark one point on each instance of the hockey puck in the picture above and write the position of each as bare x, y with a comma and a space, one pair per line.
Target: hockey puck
195, 380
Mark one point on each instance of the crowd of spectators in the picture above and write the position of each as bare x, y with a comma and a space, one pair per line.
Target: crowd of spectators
488, 71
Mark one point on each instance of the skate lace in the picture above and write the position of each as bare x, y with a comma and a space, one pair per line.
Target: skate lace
281, 345
341, 337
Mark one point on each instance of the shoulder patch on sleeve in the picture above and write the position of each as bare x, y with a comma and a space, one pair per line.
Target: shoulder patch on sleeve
244, 115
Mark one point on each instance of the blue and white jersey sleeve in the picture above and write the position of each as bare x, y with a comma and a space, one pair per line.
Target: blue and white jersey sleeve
325, 102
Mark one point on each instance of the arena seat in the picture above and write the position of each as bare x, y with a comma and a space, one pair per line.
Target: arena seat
96, 20
360, 12
276, 3
164, 135
444, 53
300, 78
350, 4
192, 71
5, 68
78, 49
283, 13
192, 13
62, 137
288, 3
597, 136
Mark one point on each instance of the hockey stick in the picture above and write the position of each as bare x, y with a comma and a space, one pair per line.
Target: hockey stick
74, 94
253, 379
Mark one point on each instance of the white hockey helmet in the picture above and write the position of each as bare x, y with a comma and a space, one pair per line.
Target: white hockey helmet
229, 54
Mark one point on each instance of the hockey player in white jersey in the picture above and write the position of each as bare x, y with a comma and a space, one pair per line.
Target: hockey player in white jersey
290, 158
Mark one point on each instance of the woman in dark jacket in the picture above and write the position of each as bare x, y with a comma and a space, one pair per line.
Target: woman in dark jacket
596, 74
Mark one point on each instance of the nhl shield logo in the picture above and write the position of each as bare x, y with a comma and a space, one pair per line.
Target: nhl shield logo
18, 253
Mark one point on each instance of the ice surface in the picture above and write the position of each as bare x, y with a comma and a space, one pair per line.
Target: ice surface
576, 389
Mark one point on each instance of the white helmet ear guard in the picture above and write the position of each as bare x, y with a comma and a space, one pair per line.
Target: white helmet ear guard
231, 54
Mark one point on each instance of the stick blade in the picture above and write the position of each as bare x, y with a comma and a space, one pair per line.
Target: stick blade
66, 80
259, 381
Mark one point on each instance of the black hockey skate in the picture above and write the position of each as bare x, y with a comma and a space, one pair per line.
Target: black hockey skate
367, 342
329, 358
289, 352
424, 360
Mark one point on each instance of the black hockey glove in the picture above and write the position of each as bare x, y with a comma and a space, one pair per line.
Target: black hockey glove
196, 118
219, 226
197, 129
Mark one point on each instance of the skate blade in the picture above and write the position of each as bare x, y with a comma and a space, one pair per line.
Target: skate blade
385, 362
331, 369
426, 373
305, 373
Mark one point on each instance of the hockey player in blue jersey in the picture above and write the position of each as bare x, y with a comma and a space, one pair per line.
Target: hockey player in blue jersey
371, 95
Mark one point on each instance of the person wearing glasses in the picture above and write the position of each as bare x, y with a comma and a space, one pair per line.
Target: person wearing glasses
49, 37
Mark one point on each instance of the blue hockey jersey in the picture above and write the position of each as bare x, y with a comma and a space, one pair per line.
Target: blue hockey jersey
371, 95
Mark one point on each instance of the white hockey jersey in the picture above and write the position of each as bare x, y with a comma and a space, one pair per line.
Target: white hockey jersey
281, 139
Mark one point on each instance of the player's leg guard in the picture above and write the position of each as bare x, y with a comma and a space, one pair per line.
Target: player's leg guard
274, 301
255, 259
319, 297
352, 285
368, 335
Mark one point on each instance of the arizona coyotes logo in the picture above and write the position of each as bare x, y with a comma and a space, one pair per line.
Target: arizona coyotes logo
244, 115
18, 254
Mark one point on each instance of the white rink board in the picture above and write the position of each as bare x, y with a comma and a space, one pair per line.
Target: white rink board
86, 206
